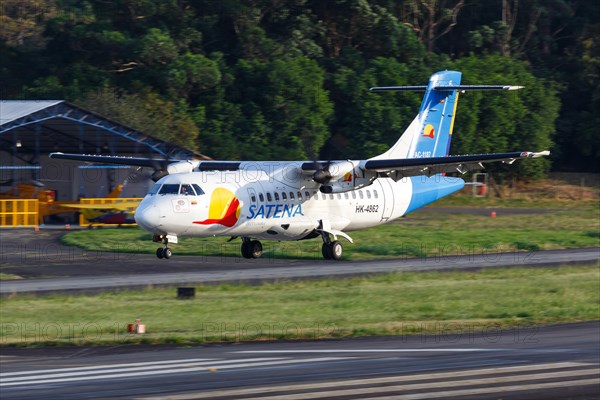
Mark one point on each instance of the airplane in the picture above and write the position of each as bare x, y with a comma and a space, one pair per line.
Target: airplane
298, 200
113, 213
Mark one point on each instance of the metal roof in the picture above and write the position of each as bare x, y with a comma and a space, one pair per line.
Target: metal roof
42, 127
12, 110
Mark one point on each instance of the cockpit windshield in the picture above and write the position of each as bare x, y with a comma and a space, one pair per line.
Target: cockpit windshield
168, 188
175, 188
199, 191
154, 189
186, 190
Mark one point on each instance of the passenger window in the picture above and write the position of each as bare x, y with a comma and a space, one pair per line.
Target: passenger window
187, 190
169, 189
339, 196
283, 196
368, 194
154, 189
276, 196
291, 195
299, 195
361, 195
253, 197
269, 198
199, 191
346, 196
375, 193
261, 197
331, 197
323, 197
354, 195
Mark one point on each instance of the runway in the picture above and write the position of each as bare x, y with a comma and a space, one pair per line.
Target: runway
133, 271
553, 362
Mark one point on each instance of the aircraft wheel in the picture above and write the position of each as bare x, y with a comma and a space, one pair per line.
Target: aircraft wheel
326, 250
167, 253
336, 250
246, 250
256, 249
159, 253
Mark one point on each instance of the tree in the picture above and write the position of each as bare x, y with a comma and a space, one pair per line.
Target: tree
272, 110
509, 121
366, 124
22, 22
432, 19
147, 113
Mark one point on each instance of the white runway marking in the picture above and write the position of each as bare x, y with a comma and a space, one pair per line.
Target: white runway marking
367, 351
506, 376
473, 392
93, 367
134, 370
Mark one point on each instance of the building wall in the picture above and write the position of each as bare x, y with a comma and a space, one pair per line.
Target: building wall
73, 180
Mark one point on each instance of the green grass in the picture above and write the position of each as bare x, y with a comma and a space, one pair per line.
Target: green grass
517, 202
419, 235
4, 276
398, 303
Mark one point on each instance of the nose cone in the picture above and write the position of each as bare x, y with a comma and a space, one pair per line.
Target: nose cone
148, 217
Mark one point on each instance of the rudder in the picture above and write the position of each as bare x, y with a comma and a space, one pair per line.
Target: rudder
430, 132
436, 117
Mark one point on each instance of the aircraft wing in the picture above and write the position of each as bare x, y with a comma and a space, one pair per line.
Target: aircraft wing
120, 160
148, 162
435, 165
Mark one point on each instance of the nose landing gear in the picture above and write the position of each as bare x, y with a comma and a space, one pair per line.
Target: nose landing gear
251, 248
165, 251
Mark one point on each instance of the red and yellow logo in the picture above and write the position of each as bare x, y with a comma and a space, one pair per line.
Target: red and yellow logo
429, 131
224, 209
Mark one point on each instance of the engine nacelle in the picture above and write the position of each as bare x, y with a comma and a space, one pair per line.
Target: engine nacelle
352, 180
181, 167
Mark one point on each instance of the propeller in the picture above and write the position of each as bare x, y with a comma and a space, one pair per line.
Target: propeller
159, 165
322, 174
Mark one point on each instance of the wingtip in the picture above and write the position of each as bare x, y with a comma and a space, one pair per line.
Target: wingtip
544, 153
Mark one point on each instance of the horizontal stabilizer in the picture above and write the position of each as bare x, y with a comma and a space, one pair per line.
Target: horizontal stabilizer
461, 88
399, 88
466, 88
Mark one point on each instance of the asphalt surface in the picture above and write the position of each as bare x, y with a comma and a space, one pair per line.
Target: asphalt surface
30, 254
554, 362
53, 267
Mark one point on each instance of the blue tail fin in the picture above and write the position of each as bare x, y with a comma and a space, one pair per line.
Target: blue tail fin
430, 132
436, 117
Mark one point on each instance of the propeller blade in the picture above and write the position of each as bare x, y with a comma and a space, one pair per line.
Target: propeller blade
322, 174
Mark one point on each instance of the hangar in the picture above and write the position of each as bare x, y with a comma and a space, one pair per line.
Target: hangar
30, 130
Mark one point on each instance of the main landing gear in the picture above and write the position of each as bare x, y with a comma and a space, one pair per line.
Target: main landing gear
251, 248
332, 249
165, 251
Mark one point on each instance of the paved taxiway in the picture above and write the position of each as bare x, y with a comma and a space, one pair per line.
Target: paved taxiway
184, 270
552, 362
35, 255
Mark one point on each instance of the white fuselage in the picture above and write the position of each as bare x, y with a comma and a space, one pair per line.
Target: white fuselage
266, 201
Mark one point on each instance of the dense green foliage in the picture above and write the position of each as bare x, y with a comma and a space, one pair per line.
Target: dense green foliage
273, 79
